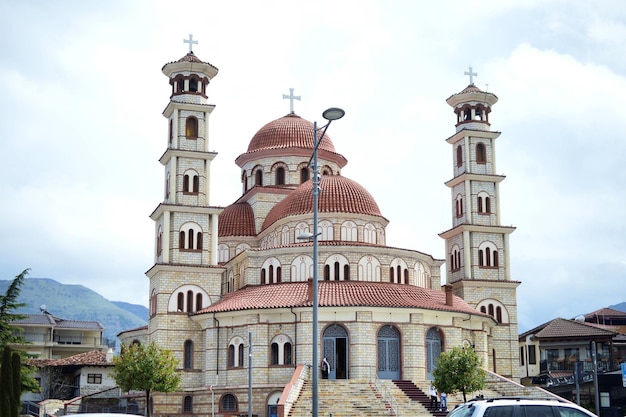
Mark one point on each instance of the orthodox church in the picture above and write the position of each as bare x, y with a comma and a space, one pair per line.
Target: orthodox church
231, 290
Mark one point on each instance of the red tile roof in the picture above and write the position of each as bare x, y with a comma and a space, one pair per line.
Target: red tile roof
91, 358
339, 195
338, 294
237, 220
290, 131
190, 57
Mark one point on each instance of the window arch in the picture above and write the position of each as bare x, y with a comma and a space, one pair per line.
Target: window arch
304, 174
455, 258
191, 182
193, 84
484, 203
153, 302
188, 298
235, 352
459, 156
337, 268
301, 268
228, 403
369, 233
348, 231
421, 275
159, 242
191, 127
167, 186
180, 84
281, 350
188, 355
398, 271
458, 203
326, 230
271, 271
488, 255
188, 404
222, 253
369, 269
495, 309
190, 237
280, 176
481, 153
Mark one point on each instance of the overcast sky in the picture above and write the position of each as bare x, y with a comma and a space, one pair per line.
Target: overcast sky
81, 129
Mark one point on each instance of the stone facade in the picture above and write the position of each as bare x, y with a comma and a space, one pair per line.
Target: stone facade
382, 310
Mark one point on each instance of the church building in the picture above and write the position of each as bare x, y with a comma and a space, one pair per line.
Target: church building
231, 290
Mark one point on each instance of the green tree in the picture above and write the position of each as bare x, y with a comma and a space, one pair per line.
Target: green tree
459, 370
16, 369
7, 397
10, 333
146, 367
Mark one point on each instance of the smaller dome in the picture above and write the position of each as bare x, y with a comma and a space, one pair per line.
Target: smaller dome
290, 131
338, 195
236, 220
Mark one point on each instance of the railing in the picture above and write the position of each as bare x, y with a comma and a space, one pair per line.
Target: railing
77, 340
562, 365
385, 392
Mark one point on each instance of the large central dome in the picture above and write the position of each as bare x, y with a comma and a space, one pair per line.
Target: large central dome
339, 195
290, 131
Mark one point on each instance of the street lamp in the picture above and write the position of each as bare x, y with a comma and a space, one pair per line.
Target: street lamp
330, 114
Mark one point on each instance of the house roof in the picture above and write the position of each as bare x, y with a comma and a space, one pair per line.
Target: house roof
47, 319
91, 358
338, 294
560, 328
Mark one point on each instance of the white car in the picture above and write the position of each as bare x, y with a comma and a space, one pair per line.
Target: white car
520, 407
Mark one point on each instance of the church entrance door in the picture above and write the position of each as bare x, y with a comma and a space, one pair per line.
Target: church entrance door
388, 353
335, 349
433, 351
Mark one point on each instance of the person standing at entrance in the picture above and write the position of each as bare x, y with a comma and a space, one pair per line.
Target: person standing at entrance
325, 367
432, 392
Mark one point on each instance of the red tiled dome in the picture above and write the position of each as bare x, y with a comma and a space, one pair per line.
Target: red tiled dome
338, 195
290, 131
236, 220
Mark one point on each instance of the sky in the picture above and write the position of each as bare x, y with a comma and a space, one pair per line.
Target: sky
81, 130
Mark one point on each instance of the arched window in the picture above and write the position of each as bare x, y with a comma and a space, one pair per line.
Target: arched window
258, 177
481, 155
188, 355
196, 183
180, 303
188, 404
346, 272
193, 84
455, 259
304, 174
231, 356
189, 301
484, 203
171, 133
263, 279
241, 355
499, 314
459, 205
180, 84
190, 237
186, 183
235, 353
159, 243
199, 240
228, 403
198, 302
326, 272
153, 303
487, 255
490, 309
191, 128
280, 351
459, 156
280, 176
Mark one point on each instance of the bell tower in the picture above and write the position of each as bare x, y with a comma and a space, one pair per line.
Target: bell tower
185, 277
477, 246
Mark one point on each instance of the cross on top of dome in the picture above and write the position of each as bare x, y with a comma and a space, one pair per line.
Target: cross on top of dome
191, 42
291, 98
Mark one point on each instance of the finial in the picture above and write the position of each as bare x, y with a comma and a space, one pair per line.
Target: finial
191, 42
471, 75
291, 98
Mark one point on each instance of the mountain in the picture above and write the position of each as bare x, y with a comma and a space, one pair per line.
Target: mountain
620, 307
77, 302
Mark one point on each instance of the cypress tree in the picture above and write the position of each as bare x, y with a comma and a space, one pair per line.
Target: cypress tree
16, 365
6, 384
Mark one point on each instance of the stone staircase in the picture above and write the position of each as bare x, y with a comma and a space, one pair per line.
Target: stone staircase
342, 398
416, 394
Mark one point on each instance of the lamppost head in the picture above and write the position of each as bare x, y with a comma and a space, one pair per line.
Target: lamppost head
333, 113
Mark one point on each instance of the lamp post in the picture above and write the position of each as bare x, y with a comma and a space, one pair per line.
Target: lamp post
330, 114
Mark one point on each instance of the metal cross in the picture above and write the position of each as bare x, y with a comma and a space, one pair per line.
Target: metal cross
291, 98
471, 75
191, 42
